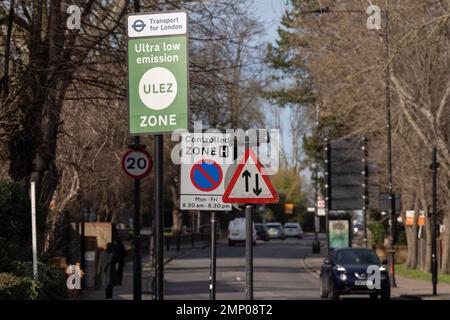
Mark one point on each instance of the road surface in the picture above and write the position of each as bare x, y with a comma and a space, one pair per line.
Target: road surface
279, 272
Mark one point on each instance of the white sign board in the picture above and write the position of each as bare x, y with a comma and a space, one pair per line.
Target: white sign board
320, 202
154, 25
205, 159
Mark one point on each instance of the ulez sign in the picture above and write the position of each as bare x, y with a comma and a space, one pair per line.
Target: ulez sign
157, 59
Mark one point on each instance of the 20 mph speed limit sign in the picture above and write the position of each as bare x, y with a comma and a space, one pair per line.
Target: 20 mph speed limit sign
137, 163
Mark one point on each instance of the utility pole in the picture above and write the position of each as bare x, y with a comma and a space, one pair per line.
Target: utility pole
387, 74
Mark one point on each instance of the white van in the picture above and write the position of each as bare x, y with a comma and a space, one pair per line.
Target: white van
236, 231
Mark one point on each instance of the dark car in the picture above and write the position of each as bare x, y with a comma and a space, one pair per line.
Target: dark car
261, 232
351, 271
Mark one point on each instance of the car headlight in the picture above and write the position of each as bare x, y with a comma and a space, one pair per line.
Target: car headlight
343, 277
340, 268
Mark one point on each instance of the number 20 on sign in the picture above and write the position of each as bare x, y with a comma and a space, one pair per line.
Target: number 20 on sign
137, 164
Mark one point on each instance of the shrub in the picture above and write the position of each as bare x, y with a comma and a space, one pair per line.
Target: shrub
15, 224
52, 280
13, 287
378, 232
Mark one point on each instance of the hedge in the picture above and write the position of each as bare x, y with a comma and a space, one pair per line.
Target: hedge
52, 280
13, 287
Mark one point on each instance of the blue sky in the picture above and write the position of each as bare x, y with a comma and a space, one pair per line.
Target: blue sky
269, 13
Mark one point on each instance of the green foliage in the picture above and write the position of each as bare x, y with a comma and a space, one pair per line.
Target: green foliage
402, 270
52, 280
400, 237
378, 232
288, 184
15, 223
13, 287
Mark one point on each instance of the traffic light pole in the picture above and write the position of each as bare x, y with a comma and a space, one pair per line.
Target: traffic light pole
366, 189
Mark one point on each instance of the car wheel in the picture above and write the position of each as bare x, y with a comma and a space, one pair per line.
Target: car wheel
386, 294
333, 294
323, 291
373, 296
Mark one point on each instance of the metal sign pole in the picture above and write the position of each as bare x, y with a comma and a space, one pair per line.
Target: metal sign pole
137, 283
248, 253
159, 235
137, 259
212, 275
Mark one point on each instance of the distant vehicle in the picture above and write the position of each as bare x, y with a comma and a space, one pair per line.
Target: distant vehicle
293, 229
346, 272
275, 230
261, 232
236, 231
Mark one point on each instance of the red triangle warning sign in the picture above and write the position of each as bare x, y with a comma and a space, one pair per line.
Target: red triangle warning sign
249, 183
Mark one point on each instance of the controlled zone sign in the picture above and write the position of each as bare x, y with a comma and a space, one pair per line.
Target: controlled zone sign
157, 60
137, 164
205, 160
249, 183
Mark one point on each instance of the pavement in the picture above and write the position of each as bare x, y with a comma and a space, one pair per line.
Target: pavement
125, 291
407, 288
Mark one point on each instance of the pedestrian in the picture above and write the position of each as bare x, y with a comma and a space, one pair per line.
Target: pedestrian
121, 254
110, 272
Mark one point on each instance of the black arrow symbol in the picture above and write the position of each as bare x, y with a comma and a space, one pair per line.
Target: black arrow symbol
257, 190
246, 175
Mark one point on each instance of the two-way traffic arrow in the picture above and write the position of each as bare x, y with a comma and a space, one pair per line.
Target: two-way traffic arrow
257, 190
246, 175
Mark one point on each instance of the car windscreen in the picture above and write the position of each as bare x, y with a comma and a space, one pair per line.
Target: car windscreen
349, 257
273, 226
291, 227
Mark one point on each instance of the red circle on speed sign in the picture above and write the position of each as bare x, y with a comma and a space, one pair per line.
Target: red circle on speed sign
137, 164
